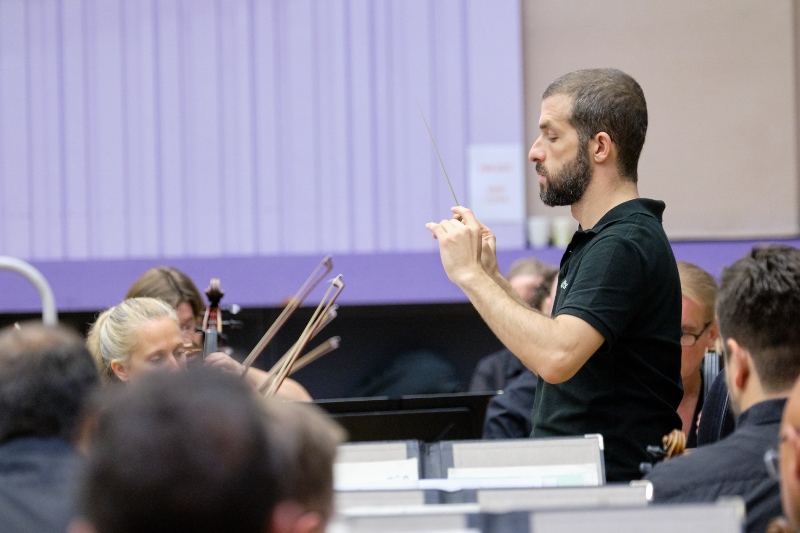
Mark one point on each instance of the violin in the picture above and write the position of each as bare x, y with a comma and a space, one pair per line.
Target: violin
323, 315
212, 319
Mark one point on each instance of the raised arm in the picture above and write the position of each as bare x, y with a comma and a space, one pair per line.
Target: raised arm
555, 349
489, 261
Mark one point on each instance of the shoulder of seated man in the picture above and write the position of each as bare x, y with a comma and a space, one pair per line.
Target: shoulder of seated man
705, 469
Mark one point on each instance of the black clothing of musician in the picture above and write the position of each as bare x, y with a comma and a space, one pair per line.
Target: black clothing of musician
508, 414
38, 481
733, 466
620, 277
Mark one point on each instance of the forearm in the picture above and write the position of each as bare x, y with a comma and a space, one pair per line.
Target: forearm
509, 290
542, 344
289, 389
553, 348
255, 376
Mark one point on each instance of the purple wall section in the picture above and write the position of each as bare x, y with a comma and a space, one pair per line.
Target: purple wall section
246, 139
168, 130
392, 278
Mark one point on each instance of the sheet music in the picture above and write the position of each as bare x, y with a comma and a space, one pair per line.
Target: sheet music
579, 475
404, 472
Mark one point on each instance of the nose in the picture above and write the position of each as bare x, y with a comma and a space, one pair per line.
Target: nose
174, 365
536, 154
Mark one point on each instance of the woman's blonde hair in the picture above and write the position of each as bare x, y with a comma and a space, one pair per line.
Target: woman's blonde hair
113, 335
698, 286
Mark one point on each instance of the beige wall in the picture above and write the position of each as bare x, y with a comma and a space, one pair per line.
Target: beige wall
719, 77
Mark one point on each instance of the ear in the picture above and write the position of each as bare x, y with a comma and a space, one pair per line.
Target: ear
739, 364
795, 443
310, 522
80, 525
600, 147
86, 427
290, 517
120, 370
713, 334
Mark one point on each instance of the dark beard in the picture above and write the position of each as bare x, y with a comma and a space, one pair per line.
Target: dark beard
566, 187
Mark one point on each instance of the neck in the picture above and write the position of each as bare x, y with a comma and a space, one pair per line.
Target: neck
754, 392
691, 384
747, 401
603, 194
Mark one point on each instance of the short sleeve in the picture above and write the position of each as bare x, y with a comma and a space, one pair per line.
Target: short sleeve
607, 288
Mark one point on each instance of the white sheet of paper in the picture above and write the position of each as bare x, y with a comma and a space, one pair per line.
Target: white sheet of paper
374, 472
497, 182
544, 476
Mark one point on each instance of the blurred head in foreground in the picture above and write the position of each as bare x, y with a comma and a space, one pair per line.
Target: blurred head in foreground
198, 452
46, 378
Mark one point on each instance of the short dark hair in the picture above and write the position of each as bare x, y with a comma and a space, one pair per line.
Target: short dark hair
758, 305
303, 444
607, 100
47, 377
180, 452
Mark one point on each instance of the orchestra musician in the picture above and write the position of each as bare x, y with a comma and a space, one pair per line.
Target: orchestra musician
47, 379
179, 291
136, 337
608, 361
141, 335
758, 308
699, 334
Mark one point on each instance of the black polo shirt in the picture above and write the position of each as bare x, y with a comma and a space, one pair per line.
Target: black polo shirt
621, 278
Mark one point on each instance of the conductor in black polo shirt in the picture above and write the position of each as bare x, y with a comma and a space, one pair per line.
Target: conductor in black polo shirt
609, 359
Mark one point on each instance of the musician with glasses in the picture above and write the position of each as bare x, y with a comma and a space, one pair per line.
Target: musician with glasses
758, 309
699, 334
142, 335
179, 291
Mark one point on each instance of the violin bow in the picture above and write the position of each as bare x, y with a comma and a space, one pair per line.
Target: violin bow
323, 349
333, 292
329, 316
296, 301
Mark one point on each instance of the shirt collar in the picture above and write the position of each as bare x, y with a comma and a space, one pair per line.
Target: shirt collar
766, 412
644, 206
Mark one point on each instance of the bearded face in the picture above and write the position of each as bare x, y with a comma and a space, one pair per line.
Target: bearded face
565, 186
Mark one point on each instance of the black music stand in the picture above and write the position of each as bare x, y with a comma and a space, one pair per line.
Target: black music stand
427, 418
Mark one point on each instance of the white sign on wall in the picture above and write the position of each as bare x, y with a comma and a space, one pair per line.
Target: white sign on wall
497, 182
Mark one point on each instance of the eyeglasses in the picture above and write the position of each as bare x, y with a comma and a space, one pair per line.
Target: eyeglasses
771, 461
773, 455
690, 339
